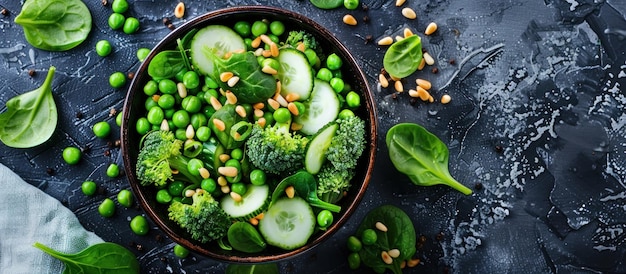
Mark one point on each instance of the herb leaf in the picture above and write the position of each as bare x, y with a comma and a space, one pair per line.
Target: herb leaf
104, 258
31, 117
55, 25
403, 57
421, 155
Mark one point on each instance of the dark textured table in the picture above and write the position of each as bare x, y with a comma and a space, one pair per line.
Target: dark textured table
536, 126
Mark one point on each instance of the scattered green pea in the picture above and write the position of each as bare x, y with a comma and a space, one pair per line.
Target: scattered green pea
354, 260
106, 208
258, 177
345, 113
176, 188
282, 115
163, 196
101, 129
142, 54
139, 225
142, 126
324, 218
116, 20
181, 118
155, 115
324, 74
168, 86
71, 155
125, 198
239, 188
119, 6
113, 170
277, 28
194, 165
117, 79
103, 48
237, 154
258, 28
166, 101
333, 61
203, 133
337, 84
369, 237
243, 28
131, 25
353, 99
180, 251
209, 185
89, 188
119, 118
150, 88
191, 79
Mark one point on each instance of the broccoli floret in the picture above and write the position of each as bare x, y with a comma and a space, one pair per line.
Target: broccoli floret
332, 182
301, 36
348, 143
276, 150
159, 155
204, 219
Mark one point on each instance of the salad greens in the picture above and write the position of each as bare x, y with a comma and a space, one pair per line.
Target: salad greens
421, 155
31, 118
402, 58
166, 64
306, 187
55, 25
244, 237
104, 258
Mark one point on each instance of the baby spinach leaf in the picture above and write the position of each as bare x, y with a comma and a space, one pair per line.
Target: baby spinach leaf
245, 237
166, 64
31, 117
271, 268
403, 57
306, 187
421, 155
55, 25
103, 258
400, 235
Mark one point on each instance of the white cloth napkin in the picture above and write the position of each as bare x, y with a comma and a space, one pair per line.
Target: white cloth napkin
29, 215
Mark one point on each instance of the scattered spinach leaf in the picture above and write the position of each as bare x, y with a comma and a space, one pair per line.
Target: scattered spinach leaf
421, 155
306, 187
403, 57
245, 237
103, 258
166, 64
31, 118
55, 25
271, 268
400, 235
327, 4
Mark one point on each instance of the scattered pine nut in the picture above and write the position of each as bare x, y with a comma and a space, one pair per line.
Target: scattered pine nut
445, 99
228, 171
428, 59
290, 191
259, 105
219, 124
422, 93
398, 86
279, 87
407, 32
301, 47
394, 253
413, 262
256, 42
293, 109
253, 221
296, 126
241, 111
215, 103
189, 192
425, 84
179, 11
164, 125
204, 173
221, 181
266, 39
380, 226
269, 70
281, 100
431, 28
261, 122
409, 13
233, 81
383, 80
273, 103
258, 52
413, 93
239, 51
421, 65
260, 216
274, 49
225, 76
292, 97
190, 132
224, 157
400, 3
385, 41
349, 20
182, 90
399, 38
231, 98
156, 97
225, 189
258, 113
175, 171
267, 53
235, 196
386, 258
402, 264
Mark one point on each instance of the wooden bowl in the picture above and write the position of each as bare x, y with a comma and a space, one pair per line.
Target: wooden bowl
134, 108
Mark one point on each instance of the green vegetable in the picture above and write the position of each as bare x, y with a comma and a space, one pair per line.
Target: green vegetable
99, 258
277, 28
113, 171
271, 268
400, 235
89, 188
324, 219
351, 4
117, 79
139, 225
125, 198
244, 237
322, 108
276, 150
333, 62
421, 155
204, 219
101, 129
31, 117
229, 116
295, 73
288, 223
55, 25
317, 147
71, 155
142, 54
252, 203
166, 64
106, 208
217, 39
327, 4
116, 20
296, 37
180, 251
354, 244
131, 25
103, 48
253, 86
305, 187
119, 6
354, 260
403, 57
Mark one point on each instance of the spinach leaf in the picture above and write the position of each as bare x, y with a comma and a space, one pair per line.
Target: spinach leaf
166, 64
253, 86
421, 155
327, 4
104, 258
271, 268
31, 118
400, 235
306, 187
245, 237
55, 25
403, 57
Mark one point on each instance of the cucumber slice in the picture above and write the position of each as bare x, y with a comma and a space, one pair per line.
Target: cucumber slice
295, 73
321, 109
253, 202
221, 39
316, 149
288, 223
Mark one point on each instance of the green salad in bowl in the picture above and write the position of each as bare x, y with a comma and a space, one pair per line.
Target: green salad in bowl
249, 134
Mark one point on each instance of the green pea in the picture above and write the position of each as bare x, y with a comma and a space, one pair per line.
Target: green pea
324, 218
274, 38
191, 79
113, 170
101, 129
150, 103
248, 42
258, 28
354, 244
89, 188
324, 74
191, 104
270, 62
71, 155
125, 198
119, 6
116, 20
194, 165
369, 237
239, 188
337, 84
166, 101
300, 107
203, 133
209, 185
176, 188
353, 99
139, 225
258, 177
131, 25
181, 134
237, 154
163, 196
180, 251
354, 260
282, 115
243, 28
277, 28
142, 126
168, 86
150, 88
311, 56
103, 48
345, 113
269, 117
117, 79
181, 119
106, 208
155, 116
142, 54
119, 118
333, 62
234, 163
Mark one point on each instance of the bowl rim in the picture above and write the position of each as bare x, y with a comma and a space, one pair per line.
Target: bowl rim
367, 99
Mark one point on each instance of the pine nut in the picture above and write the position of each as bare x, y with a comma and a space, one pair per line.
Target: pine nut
279, 87
241, 111
225, 189
409, 13
204, 173
261, 122
407, 32
253, 221
225, 76
423, 83
175, 171
233, 81
428, 59
413, 262
380, 226
430, 99
301, 47
274, 49
398, 86
402, 264
394, 253
413, 93
266, 39
189, 192
267, 53
269, 70
422, 93
239, 51
258, 52
231, 98
385, 41
256, 42
281, 100
421, 65
155, 97
182, 90
445, 99
273, 103
224, 157
235, 196
349, 20
399, 38
179, 11
383, 80
260, 216
400, 3
258, 105
215, 103
431, 28
164, 125
290, 97
290, 191
296, 126
219, 124
227, 55
293, 109
386, 258
221, 181
190, 132
258, 113
228, 171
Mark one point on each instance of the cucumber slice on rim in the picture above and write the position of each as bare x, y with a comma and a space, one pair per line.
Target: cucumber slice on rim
321, 109
221, 39
295, 73
253, 202
316, 149
288, 223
